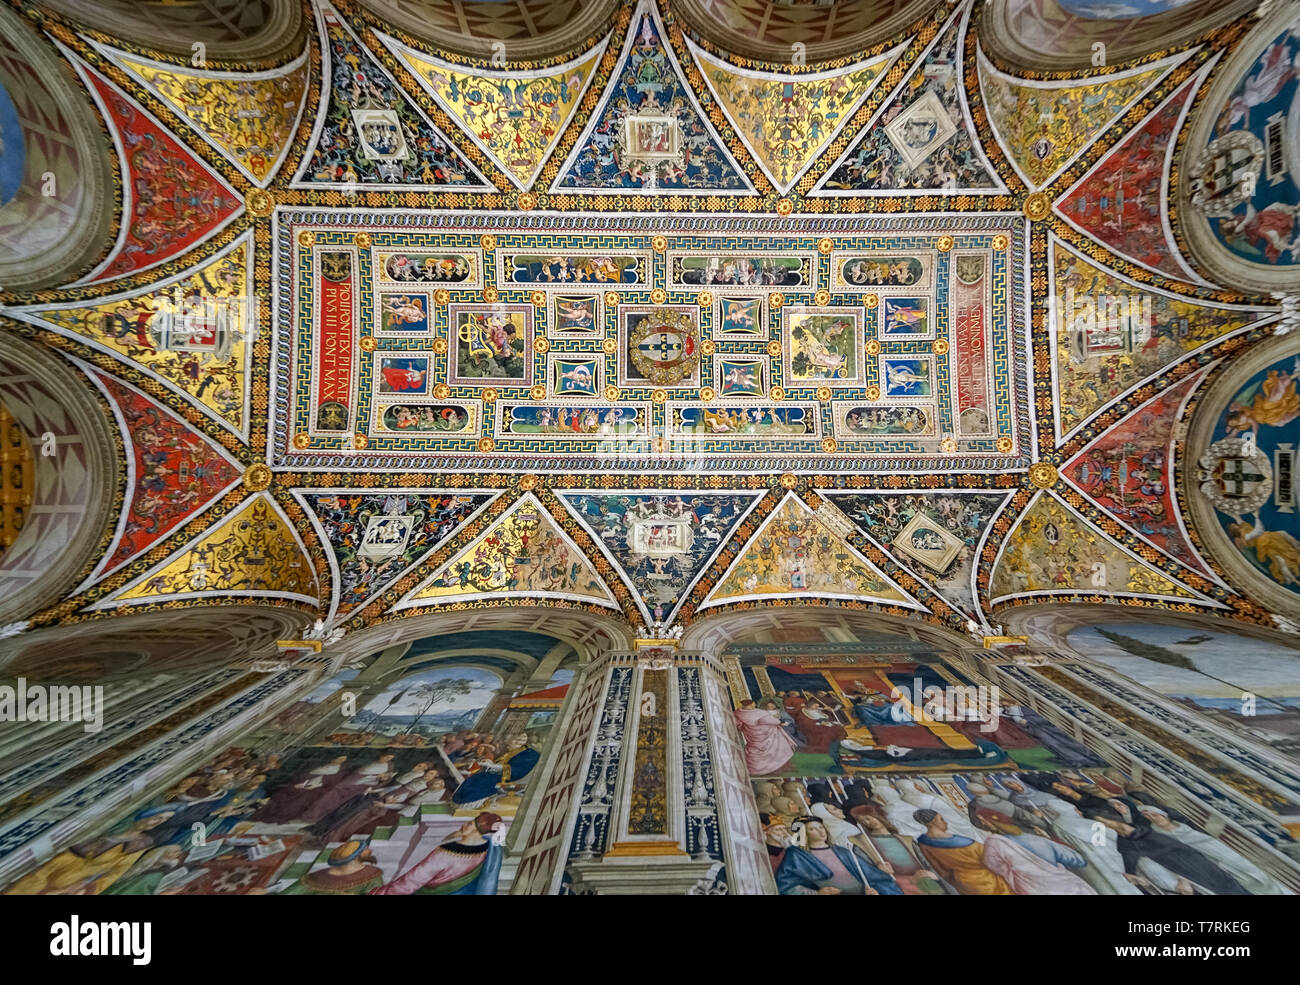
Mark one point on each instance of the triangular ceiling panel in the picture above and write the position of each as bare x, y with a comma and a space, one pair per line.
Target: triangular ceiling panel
1052, 550
649, 135
936, 537
523, 554
921, 141
173, 473
798, 553
369, 133
1129, 472
1114, 333
661, 542
374, 538
1123, 202
254, 552
191, 332
250, 117
515, 117
1044, 126
172, 201
786, 120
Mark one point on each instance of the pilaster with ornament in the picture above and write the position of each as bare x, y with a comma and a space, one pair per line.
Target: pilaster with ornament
664, 808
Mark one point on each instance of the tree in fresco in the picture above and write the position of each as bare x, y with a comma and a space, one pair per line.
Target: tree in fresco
431, 693
1164, 655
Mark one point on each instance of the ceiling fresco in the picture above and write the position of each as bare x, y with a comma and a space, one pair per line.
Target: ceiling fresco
794, 346
609, 311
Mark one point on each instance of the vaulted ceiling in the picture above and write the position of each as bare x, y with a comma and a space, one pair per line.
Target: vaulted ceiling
939, 310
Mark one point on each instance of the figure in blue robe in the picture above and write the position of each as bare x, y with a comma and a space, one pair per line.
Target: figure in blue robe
514, 766
801, 873
876, 709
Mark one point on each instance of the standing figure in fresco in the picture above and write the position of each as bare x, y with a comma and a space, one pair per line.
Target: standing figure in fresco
958, 860
1105, 868
920, 797
1007, 810
908, 869
787, 720
816, 720
768, 745
1153, 860
776, 836
1083, 800
1031, 864
435, 792
898, 814
361, 814
839, 830
874, 838
288, 803
466, 864
819, 868
354, 784
493, 777
1243, 869
1028, 799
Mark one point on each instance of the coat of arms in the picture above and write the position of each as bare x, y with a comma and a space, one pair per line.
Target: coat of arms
205, 325
665, 347
1236, 477
1224, 176
381, 135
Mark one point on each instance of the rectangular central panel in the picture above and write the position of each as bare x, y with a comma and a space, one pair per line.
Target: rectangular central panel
439, 342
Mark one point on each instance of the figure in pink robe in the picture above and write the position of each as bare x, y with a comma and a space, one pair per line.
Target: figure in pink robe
1040, 870
768, 746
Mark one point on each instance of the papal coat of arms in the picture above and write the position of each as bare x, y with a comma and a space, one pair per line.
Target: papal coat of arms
665, 347
1224, 175
1236, 477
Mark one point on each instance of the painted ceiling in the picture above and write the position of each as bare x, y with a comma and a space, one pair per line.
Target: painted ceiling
580, 306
